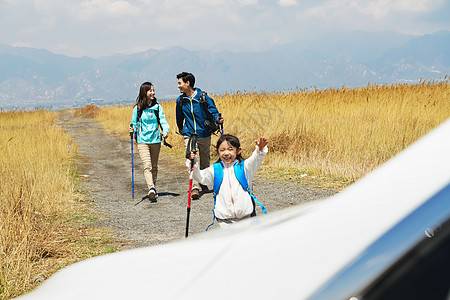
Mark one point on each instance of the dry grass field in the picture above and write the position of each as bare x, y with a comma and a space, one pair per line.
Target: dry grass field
334, 136
44, 223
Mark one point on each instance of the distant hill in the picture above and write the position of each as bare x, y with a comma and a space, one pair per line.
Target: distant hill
353, 59
425, 57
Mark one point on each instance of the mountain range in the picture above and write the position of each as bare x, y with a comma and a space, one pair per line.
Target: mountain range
351, 59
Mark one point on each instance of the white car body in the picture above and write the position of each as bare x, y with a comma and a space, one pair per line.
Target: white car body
334, 248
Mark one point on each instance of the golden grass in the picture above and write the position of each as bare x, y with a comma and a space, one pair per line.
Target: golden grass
335, 136
339, 134
115, 119
89, 111
43, 222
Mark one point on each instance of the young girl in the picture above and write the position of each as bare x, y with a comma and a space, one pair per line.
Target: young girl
232, 202
147, 117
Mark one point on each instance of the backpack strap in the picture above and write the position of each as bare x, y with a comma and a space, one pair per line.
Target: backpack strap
180, 102
240, 175
204, 104
162, 130
157, 117
139, 114
218, 178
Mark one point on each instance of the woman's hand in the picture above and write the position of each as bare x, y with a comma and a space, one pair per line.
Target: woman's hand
165, 135
131, 129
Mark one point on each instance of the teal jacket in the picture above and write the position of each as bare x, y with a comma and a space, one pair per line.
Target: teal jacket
148, 131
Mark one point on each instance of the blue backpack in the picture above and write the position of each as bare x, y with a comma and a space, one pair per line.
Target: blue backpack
240, 175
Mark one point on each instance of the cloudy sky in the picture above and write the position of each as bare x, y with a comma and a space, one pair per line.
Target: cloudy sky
102, 27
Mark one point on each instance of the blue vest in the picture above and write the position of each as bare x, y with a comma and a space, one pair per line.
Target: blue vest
240, 175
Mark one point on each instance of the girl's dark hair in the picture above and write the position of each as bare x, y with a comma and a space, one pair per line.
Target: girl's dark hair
141, 100
233, 141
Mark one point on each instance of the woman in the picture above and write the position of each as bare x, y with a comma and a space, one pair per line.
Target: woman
147, 115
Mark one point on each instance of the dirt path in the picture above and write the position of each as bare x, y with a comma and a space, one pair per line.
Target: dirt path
106, 163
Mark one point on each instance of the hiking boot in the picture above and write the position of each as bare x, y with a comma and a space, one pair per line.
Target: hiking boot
195, 194
152, 195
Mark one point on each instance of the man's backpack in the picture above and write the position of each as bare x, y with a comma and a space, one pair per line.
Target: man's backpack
210, 123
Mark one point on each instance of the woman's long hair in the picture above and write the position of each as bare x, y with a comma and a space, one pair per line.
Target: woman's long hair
141, 100
233, 141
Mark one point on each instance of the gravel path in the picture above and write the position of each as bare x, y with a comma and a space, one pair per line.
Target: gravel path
106, 163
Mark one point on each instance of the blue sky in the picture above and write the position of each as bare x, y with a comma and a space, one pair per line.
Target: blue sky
102, 27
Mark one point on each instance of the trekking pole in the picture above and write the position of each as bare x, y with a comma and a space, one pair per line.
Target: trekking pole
132, 166
221, 124
191, 147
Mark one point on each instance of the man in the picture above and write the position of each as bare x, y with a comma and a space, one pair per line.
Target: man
190, 119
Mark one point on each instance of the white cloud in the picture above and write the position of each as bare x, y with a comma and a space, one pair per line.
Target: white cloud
68, 49
287, 2
45, 23
376, 9
358, 10
247, 2
379, 9
416, 6
22, 44
92, 9
175, 5
212, 3
102, 27
403, 16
